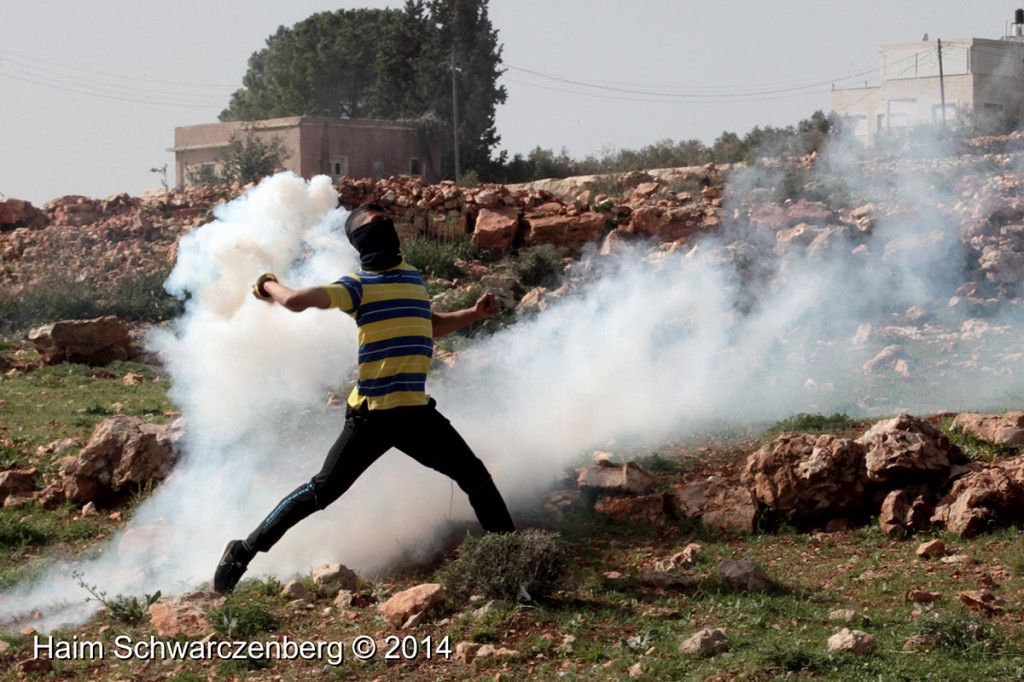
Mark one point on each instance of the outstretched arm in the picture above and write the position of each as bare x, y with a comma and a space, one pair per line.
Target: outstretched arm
446, 323
295, 300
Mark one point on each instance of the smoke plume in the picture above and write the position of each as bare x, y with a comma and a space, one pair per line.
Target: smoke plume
645, 346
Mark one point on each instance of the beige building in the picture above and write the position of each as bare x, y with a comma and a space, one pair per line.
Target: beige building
316, 146
979, 77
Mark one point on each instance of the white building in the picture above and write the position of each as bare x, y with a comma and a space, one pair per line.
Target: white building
979, 76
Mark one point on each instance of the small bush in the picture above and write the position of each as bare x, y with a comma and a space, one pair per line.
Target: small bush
243, 618
539, 265
139, 297
504, 565
958, 632
836, 424
436, 257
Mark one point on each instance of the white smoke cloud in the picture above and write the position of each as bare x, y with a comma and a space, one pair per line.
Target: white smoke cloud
645, 349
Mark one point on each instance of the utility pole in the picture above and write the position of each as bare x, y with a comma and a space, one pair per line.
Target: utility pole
942, 84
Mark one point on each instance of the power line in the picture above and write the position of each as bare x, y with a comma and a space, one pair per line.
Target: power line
112, 75
741, 93
98, 87
108, 96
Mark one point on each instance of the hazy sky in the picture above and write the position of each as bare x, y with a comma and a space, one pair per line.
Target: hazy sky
90, 92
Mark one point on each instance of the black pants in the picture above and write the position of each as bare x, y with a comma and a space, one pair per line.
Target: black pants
420, 432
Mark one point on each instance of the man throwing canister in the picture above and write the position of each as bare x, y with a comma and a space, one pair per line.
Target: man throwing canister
388, 406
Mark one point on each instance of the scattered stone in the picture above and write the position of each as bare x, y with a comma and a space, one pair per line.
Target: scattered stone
636, 670
745, 574
491, 651
629, 479
684, 559
706, 642
184, 615
922, 596
331, 579
465, 652
293, 589
343, 599
848, 616
493, 605
4, 647
399, 608
567, 645
89, 510
57, 447
921, 643
17, 482
983, 601
853, 641
930, 549
956, 559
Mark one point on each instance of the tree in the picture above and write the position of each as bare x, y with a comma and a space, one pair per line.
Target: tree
246, 159
388, 64
466, 41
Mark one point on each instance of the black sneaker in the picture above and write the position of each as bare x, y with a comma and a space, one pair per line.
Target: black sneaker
232, 566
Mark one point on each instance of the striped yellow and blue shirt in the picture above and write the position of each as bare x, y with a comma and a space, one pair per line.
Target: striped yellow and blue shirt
396, 342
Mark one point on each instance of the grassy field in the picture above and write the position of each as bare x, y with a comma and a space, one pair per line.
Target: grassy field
608, 621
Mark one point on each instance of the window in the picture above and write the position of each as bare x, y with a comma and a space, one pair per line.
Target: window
339, 166
378, 170
415, 167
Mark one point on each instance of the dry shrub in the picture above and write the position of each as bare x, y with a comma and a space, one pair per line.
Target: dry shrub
516, 566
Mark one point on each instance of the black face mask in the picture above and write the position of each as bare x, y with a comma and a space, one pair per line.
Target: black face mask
377, 244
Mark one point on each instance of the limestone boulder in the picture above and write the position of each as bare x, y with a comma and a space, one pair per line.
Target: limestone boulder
746, 575
1001, 429
650, 509
717, 505
906, 511
627, 479
496, 228
706, 642
401, 607
19, 213
854, 641
330, 579
123, 451
95, 342
184, 615
563, 230
906, 449
804, 476
987, 496
17, 482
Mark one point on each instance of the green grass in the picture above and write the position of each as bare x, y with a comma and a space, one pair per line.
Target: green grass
51, 403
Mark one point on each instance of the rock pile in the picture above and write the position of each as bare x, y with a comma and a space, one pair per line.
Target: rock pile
903, 470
